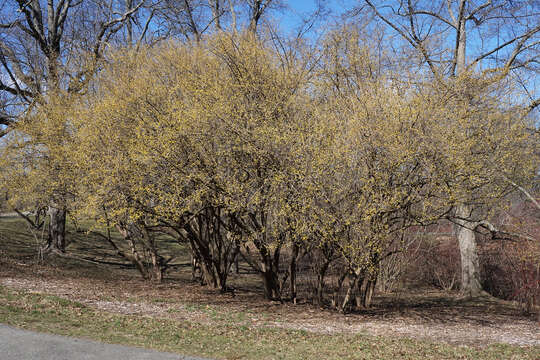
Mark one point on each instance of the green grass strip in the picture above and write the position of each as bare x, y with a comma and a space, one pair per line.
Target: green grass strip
59, 316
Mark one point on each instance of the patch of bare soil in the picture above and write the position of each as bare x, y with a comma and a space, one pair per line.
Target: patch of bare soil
432, 315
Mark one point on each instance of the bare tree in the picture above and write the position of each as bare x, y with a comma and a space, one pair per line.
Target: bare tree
188, 19
256, 10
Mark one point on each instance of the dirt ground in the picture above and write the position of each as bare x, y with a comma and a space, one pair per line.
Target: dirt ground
426, 314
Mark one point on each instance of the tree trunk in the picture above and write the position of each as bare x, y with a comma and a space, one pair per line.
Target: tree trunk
236, 266
272, 289
461, 59
136, 259
57, 230
157, 268
195, 267
292, 271
470, 267
366, 291
216, 13
337, 290
129, 25
133, 255
353, 284
271, 285
320, 282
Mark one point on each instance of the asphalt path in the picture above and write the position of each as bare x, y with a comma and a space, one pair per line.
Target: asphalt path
17, 344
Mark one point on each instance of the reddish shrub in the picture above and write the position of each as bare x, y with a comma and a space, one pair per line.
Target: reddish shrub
437, 263
511, 271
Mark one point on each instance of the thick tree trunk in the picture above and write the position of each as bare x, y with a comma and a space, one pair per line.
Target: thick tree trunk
271, 284
236, 265
57, 230
470, 267
267, 266
209, 276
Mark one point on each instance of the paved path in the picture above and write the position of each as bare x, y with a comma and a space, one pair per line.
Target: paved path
16, 344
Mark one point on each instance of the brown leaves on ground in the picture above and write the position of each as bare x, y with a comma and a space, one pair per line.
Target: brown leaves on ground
426, 314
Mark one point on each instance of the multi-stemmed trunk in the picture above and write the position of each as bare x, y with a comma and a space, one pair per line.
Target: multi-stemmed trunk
366, 291
323, 257
268, 268
214, 247
143, 252
268, 252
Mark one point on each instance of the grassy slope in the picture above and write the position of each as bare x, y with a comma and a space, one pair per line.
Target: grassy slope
60, 316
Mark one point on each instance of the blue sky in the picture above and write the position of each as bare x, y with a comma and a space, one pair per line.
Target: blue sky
290, 18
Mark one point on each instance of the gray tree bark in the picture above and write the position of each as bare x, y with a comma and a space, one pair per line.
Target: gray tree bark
470, 266
57, 230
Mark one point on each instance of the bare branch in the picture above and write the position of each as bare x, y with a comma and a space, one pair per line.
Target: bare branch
14, 91
481, 57
519, 46
216, 13
28, 219
145, 29
533, 105
479, 8
192, 23
449, 6
6, 121
415, 42
35, 22
522, 189
17, 90
9, 25
496, 233
109, 25
233, 16
432, 14
61, 11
